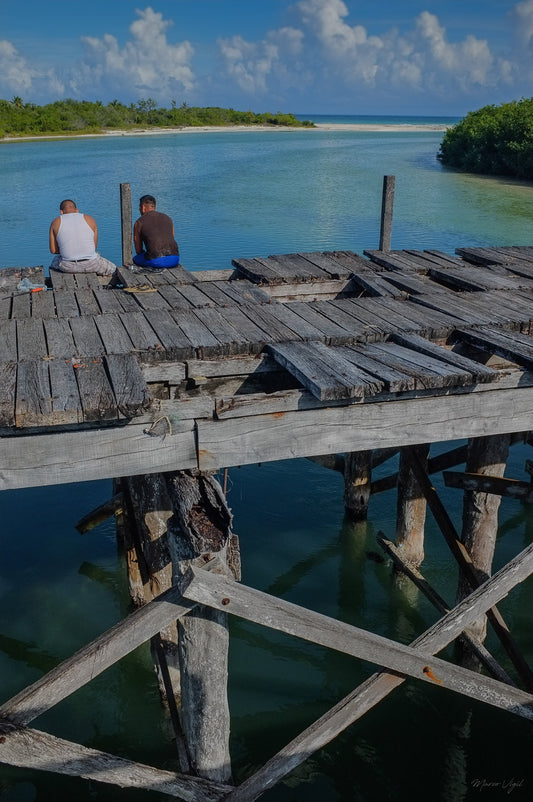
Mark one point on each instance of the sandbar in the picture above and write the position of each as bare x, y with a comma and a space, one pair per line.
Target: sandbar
356, 127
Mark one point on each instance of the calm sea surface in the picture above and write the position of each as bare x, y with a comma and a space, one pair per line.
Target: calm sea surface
240, 194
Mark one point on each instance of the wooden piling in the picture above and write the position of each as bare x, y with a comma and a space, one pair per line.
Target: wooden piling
126, 224
200, 529
387, 204
486, 456
411, 508
357, 484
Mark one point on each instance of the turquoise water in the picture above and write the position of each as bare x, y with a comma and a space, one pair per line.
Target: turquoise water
238, 194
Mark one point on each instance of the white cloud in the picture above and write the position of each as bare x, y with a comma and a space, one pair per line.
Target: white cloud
16, 74
146, 63
346, 58
523, 13
253, 64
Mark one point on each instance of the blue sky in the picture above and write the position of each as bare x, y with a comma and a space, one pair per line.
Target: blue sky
305, 56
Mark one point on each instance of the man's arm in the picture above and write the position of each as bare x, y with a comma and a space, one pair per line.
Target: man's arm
92, 224
137, 241
54, 228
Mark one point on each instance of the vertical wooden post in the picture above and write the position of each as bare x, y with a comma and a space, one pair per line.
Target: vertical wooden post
126, 224
387, 204
357, 484
200, 529
411, 508
486, 455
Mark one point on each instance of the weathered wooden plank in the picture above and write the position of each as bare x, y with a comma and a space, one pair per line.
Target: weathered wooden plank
180, 275
344, 314
96, 395
8, 341
393, 378
302, 269
479, 372
8, 376
87, 303
128, 384
194, 294
284, 313
65, 303
21, 305
369, 693
31, 342
42, 304
374, 327
33, 403
323, 370
169, 334
84, 455
332, 333
149, 298
254, 605
258, 271
65, 395
62, 281
145, 341
174, 298
515, 348
430, 371
330, 263
262, 316
254, 334
114, 334
33, 749
240, 366
5, 306
109, 301
204, 342
242, 291
360, 426
214, 296
497, 485
86, 337
228, 337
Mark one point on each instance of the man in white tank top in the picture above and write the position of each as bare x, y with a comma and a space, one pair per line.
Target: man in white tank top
73, 241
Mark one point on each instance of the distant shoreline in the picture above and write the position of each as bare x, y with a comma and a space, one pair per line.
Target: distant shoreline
357, 127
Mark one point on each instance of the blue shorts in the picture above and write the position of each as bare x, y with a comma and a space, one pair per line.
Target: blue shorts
162, 261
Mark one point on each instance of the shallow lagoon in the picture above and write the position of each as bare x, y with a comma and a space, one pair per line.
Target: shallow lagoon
240, 194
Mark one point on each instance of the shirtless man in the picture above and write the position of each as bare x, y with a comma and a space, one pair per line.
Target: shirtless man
73, 241
154, 238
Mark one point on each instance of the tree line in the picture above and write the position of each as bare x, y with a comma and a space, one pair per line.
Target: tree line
494, 140
84, 117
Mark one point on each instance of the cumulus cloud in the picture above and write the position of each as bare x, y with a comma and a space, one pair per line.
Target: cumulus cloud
16, 74
254, 64
148, 62
340, 54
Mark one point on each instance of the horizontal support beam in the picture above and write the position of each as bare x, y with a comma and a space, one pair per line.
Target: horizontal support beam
32, 749
253, 605
360, 427
498, 486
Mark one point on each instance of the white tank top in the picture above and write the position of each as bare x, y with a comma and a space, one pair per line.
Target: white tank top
75, 237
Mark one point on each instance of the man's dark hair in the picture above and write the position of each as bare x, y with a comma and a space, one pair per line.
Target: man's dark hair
67, 204
149, 200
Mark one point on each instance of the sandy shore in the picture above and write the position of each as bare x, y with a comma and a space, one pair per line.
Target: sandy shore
234, 128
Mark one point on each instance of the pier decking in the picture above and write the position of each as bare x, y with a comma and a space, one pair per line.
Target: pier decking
279, 357
179, 374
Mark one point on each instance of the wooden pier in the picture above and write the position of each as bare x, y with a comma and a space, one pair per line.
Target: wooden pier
296, 355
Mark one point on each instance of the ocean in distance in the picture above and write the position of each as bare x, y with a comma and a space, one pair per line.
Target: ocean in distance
244, 194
